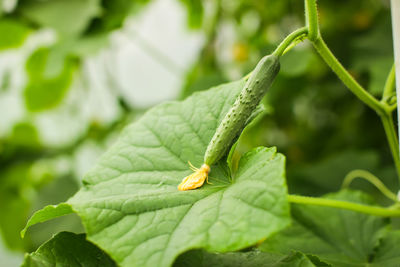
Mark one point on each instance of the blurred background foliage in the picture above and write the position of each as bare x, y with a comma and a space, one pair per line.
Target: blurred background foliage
74, 72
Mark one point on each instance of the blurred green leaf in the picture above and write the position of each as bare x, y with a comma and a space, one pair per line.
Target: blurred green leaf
68, 249
339, 237
296, 62
114, 14
88, 45
5, 80
24, 134
201, 76
13, 33
327, 174
67, 17
200, 84
373, 53
15, 195
46, 90
378, 74
194, 12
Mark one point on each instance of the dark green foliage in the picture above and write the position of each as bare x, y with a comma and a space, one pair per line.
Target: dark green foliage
68, 249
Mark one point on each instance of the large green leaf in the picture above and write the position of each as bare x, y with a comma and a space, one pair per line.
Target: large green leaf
144, 219
130, 205
339, 237
68, 249
67, 17
198, 258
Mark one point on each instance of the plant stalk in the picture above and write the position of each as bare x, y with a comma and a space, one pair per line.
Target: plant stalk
286, 44
395, 8
340, 204
346, 78
280, 50
312, 19
391, 135
381, 108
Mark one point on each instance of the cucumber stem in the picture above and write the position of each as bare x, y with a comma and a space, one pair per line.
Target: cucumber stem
295, 35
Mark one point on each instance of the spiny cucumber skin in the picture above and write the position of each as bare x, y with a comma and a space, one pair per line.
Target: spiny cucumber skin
235, 120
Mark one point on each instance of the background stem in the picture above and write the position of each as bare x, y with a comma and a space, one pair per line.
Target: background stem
371, 210
346, 78
381, 108
370, 178
395, 6
390, 131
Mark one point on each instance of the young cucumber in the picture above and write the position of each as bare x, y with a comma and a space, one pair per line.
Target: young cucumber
235, 120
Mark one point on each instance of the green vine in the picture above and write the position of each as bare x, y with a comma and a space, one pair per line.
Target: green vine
312, 19
346, 78
388, 125
370, 178
340, 204
291, 38
380, 107
383, 108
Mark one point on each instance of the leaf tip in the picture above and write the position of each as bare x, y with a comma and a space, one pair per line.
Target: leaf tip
47, 213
